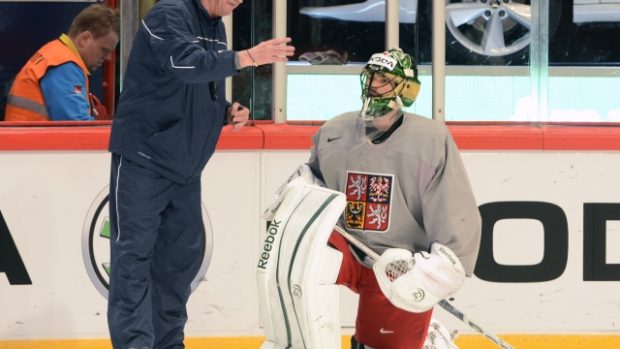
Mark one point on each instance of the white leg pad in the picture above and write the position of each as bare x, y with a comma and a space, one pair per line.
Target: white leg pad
299, 302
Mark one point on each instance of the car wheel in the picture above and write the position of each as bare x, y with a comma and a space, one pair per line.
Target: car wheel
493, 31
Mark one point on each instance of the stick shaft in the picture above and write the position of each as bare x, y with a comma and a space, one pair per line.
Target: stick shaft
461, 316
355, 242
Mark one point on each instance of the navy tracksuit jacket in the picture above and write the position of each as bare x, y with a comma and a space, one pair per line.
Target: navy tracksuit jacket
173, 106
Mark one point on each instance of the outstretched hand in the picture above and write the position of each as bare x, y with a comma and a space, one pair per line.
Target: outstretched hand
267, 52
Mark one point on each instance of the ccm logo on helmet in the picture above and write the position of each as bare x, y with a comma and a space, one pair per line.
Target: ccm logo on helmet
272, 232
382, 60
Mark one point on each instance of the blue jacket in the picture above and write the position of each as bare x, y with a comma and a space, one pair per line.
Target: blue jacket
172, 108
65, 93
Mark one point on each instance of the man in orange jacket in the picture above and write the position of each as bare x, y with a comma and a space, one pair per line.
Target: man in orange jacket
53, 84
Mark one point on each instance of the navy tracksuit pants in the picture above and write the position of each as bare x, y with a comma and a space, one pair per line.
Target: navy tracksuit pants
157, 247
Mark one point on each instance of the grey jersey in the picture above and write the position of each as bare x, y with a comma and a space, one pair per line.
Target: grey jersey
407, 192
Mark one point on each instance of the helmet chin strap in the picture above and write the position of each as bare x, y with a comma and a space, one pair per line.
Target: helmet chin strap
397, 103
364, 112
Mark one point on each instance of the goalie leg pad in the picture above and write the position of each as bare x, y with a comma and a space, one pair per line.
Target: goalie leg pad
299, 302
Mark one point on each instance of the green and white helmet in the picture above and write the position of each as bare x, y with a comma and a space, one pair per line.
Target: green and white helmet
400, 71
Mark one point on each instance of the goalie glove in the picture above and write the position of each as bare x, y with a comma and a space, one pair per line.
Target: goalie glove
416, 282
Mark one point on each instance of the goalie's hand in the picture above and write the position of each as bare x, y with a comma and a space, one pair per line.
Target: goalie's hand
416, 282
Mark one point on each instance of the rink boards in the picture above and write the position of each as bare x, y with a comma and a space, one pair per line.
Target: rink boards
551, 243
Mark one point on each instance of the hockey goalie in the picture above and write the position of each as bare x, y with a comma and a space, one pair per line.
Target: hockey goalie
393, 181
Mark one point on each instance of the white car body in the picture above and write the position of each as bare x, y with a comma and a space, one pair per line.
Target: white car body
585, 11
492, 18
367, 11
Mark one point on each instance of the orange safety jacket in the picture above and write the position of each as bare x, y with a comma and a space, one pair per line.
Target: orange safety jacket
25, 101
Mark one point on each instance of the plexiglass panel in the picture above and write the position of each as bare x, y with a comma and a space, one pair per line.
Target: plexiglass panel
252, 23
488, 56
323, 96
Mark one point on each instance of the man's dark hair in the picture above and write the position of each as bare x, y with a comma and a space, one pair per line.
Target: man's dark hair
98, 19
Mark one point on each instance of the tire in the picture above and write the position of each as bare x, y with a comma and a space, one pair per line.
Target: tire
505, 22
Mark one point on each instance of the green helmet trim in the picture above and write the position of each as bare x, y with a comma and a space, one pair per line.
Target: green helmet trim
400, 68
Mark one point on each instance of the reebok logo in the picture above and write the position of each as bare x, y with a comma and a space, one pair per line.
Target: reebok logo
331, 139
447, 254
384, 331
272, 233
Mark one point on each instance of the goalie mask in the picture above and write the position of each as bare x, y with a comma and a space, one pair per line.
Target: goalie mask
389, 81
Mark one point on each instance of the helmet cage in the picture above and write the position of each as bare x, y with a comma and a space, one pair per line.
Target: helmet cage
401, 73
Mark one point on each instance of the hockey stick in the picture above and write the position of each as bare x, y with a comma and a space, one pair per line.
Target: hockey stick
443, 303
459, 315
